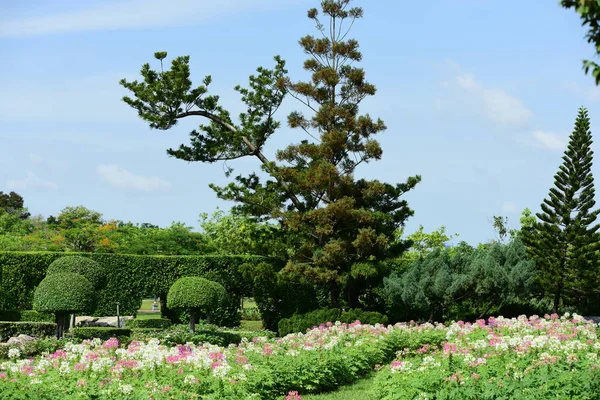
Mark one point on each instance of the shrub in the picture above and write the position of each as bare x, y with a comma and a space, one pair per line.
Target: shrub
63, 294
36, 329
251, 314
302, 322
10, 315
198, 295
130, 278
26, 315
84, 266
162, 323
103, 333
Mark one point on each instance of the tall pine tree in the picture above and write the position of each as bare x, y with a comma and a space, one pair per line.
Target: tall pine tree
341, 229
564, 241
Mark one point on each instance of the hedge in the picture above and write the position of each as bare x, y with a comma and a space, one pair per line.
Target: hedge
159, 323
99, 332
302, 322
26, 315
130, 278
36, 329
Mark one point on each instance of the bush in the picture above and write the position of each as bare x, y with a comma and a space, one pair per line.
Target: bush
65, 292
130, 278
36, 329
162, 323
103, 333
26, 315
84, 266
302, 322
34, 348
10, 315
198, 295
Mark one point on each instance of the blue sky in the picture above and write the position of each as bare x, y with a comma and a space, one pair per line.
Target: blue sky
479, 97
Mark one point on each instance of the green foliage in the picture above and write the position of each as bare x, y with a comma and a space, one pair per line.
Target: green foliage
421, 244
31, 349
589, 11
130, 278
565, 242
158, 323
279, 295
462, 283
302, 322
103, 333
26, 315
83, 266
239, 234
338, 229
195, 292
64, 292
36, 329
10, 202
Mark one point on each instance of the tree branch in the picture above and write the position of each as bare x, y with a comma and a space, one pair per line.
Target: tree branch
253, 149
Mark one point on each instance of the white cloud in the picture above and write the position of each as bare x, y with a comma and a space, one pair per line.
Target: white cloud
549, 141
470, 96
123, 179
31, 181
128, 14
509, 207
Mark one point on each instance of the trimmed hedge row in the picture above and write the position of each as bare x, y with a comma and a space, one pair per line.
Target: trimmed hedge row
26, 315
130, 278
36, 329
161, 323
99, 332
302, 322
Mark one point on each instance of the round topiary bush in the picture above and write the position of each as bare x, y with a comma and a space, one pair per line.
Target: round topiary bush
63, 294
197, 295
85, 266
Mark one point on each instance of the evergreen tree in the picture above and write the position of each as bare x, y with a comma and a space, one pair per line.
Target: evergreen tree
564, 241
342, 228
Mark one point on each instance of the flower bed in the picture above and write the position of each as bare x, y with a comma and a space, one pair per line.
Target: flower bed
524, 358
263, 368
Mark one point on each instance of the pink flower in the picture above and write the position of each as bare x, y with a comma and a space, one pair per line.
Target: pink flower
216, 364
293, 395
81, 383
2, 375
111, 343
80, 367
241, 360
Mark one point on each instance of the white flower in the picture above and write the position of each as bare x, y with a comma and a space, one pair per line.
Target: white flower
189, 379
14, 353
126, 389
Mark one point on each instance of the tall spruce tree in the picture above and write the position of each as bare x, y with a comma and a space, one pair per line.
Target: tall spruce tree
564, 241
342, 228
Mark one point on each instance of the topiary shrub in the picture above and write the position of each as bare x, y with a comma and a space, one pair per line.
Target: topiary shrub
63, 294
90, 269
198, 295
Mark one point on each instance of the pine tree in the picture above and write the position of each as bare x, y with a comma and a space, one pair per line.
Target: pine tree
341, 229
564, 241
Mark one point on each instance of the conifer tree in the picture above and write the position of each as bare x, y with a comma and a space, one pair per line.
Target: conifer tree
341, 228
564, 241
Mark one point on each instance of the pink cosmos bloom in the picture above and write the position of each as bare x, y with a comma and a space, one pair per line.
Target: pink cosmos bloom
293, 395
111, 343
80, 367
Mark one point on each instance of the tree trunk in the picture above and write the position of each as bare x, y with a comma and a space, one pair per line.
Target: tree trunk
208, 318
335, 294
557, 296
192, 320
61, 321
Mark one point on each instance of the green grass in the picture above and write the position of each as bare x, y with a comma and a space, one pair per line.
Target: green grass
359, 391
249, 302
147, 305
251, 325
155, 315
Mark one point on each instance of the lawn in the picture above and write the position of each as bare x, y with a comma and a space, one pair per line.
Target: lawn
362, 390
